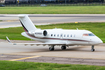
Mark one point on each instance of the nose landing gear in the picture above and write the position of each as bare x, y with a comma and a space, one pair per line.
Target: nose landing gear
92, 49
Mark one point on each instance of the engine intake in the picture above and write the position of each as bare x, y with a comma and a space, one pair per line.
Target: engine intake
45, 33
40, 33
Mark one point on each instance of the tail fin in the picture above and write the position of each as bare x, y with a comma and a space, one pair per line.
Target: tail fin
26, 23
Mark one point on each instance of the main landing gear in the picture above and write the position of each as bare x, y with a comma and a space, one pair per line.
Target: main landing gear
92, 49
63, 47
51, 48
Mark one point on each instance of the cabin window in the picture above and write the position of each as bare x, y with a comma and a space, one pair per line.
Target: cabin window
58, 35
67, 35
61, 35
64, 35
71, 35
51, 34
54, 35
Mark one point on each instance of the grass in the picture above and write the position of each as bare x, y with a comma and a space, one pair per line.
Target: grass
14, 65
15, 33
54, 10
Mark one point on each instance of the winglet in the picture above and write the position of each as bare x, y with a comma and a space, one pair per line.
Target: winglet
8, 39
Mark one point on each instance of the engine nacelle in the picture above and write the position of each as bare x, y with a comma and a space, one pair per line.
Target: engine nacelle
40, 33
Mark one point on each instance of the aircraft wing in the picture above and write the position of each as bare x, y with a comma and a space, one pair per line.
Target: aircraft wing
46, 43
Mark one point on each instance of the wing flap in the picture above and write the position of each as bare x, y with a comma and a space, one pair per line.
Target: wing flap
48, 43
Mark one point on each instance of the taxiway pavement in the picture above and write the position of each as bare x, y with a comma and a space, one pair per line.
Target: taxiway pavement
43, 19
72, 55
72, 51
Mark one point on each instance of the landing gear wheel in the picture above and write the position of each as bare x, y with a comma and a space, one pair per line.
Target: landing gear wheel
63, 47
92, 48
51, 48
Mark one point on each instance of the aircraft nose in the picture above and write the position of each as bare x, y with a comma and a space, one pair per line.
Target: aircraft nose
96, 40
99, 41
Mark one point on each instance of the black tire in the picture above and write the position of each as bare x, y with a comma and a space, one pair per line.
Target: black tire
93, 50
51, 49
63, 47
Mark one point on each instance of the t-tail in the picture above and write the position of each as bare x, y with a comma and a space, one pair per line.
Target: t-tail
26, 23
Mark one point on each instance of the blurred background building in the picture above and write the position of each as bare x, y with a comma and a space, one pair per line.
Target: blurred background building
48, 1
2, 1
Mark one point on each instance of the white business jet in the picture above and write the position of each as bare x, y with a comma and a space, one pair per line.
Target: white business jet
54, 37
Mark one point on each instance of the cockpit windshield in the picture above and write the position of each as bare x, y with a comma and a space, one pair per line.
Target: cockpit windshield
89, 34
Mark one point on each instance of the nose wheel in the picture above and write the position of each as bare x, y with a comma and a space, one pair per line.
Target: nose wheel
92, 48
